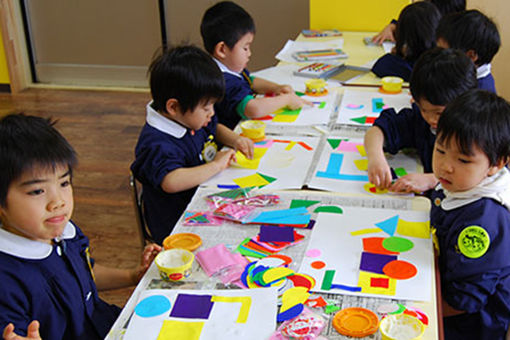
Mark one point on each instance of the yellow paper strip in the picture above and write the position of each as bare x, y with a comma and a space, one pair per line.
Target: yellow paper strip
413, 229
361, 164
365, 231
361, 150
290, 146
174, 329
254, 180
285, 118
245, 302
294, 296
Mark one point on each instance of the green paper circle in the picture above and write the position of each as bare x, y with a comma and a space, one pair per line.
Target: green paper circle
397, 244
473, 242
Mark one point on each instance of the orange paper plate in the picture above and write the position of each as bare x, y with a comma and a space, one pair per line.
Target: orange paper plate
355, 321
187, 241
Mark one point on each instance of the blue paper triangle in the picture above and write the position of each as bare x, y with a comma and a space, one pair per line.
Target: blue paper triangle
389, 226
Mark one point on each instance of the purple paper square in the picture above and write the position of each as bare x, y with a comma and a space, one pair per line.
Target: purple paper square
269, 233
374, 263
192, 306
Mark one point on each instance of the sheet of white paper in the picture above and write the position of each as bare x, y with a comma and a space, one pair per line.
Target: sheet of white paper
221, 322
291, 47
359, 103
336, 169
388, 46
341, 251
287, 163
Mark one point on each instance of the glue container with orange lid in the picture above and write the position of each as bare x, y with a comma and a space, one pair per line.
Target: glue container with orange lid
356, 322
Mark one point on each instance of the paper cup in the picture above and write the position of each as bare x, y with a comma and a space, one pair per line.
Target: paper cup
401, 327
392, 84
174, 264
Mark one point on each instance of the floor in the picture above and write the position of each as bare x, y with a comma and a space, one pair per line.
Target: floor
103, 127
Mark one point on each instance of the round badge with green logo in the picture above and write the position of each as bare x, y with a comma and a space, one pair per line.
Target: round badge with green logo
473, 241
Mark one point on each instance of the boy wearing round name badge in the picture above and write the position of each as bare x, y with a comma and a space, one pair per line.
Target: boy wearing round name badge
439, 76
176, 150
471, 217
475, 34
227, 32
49, 282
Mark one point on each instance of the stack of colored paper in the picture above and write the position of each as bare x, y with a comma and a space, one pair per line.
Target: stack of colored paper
270, 240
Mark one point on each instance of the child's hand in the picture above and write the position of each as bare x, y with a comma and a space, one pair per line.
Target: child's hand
295, 102
32, 332
414, 183
284, 89
245, 145
223, 158
386, 34
149, 253
379, 173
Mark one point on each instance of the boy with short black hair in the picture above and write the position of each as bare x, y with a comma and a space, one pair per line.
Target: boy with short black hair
227, 31
176, 150
439, 76
471, 216
474, 33
49, 282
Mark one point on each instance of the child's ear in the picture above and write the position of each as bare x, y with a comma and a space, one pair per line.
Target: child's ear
499, 165
220, 50
472, 55
172, 107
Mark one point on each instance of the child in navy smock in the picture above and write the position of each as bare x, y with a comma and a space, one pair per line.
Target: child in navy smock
227, 32
47, 276
444, 7
415, 34
471, 217
439, 76
474, 33
176, 149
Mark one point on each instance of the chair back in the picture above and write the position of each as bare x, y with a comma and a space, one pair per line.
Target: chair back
137, 193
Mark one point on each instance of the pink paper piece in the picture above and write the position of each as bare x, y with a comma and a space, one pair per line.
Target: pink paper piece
354, 106
219, 259
313, 253
348, 146
264, 144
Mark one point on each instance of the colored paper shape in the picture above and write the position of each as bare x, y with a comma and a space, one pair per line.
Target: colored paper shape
317, 302
374, 245
361, 164
192, 306
175, 329
269, 233
318, 264
290, 313
329, 309
327, 280
294, 296
400, 270
380, 282
275, 274
302, 280
333, 209
365, 231
333, 170
400, 172
348, 146
254, 180
267, 178
374, 263
152, 306
354, 106
245, 302
397, 244
369, 187
334, 143
306, 146
365, 280
377, 105
302, 203
361, 150
389, 226
290, 146
313, 253
413, 229
285, 118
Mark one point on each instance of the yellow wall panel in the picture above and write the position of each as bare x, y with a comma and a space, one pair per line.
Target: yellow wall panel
359, 15
4, 74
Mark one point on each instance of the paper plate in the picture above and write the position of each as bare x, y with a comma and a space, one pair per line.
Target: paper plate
187, 241
355, 321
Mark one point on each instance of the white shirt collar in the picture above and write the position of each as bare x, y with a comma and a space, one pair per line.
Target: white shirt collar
163, 124
483, 71
225, 69
25, 248
496, 187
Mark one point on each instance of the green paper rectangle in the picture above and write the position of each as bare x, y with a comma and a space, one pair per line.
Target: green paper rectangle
328, 279
400, 172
